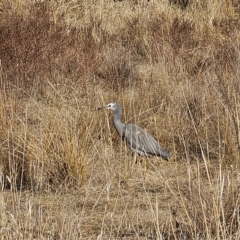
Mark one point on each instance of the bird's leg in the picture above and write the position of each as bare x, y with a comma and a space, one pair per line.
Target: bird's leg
134, 160
145, 167
135, 155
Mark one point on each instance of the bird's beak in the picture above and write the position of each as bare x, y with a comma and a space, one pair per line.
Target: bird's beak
100, 108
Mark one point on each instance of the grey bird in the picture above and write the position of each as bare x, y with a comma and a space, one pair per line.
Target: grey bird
136, 138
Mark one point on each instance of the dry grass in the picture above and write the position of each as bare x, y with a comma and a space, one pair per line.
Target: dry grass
172, 65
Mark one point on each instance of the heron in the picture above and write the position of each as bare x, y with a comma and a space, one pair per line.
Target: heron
136, 138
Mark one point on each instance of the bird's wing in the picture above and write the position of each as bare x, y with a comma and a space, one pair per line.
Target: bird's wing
139, 139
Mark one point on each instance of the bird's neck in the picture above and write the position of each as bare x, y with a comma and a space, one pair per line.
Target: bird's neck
118, 112
117, 121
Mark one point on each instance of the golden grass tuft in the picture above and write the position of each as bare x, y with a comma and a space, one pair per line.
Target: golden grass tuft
172, 66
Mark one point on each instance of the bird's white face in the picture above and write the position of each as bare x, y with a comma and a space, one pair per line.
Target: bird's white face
111, 106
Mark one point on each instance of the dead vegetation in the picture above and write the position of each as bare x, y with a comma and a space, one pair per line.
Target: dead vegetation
172, 65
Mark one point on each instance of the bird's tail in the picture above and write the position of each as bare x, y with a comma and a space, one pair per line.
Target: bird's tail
164, 154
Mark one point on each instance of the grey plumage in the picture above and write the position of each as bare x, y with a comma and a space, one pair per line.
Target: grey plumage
136, 138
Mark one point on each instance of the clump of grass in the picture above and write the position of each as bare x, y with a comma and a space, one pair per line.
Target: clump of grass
208, 215
174, 71
35, 47
42, 147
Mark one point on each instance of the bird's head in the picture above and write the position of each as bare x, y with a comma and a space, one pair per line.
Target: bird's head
112, 106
